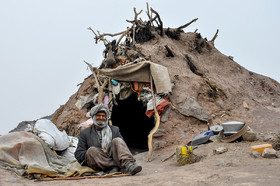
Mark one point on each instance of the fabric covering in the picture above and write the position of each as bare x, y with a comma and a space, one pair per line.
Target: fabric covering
106, 134
48, 131
84, 100
28, 155
161, 107
141, 72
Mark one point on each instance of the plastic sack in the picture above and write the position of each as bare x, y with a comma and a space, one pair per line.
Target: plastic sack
47, 131
69, 152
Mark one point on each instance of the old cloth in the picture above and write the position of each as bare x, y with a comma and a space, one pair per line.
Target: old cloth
118, 155
98, 108
142, 72
89, 138
28, 155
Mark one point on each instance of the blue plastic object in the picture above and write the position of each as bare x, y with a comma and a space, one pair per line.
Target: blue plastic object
203, 137
114, 82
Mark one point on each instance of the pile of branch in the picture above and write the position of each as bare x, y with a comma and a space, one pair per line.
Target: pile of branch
140, 31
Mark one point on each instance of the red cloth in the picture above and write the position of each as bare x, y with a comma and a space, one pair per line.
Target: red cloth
160, 108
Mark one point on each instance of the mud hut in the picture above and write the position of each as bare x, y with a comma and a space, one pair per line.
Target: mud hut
208, 87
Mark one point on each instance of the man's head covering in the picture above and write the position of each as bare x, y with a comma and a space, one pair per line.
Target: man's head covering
100, 108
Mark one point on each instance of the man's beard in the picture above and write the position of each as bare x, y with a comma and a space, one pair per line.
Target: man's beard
101, 123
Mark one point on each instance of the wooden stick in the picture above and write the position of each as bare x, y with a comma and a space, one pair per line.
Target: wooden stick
101, 92
150, 136
161, 24
168, 157
98, 37
85, 177
186, 25
215, 36
101, 36
100, 88
133, 35
148, 13
110, 105
93, 72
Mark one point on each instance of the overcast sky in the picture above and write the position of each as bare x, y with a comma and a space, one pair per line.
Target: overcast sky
43, 43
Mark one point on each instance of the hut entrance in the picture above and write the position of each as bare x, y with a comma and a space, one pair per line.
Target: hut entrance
135, 126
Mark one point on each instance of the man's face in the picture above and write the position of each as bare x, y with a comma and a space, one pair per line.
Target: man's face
100, 117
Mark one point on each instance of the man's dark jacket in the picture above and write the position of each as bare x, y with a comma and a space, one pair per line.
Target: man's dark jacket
89, 137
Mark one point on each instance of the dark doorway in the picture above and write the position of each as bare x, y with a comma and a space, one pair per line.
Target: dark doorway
135, 126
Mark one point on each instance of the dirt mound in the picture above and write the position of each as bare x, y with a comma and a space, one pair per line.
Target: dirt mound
199, 72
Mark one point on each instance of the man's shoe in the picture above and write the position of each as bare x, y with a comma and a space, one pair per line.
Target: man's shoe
132, 168
113, 170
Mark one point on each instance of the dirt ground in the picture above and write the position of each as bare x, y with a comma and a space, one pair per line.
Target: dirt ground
234, 167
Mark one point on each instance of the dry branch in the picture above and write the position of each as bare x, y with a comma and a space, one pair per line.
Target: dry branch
101, 87
93, 72
98, 37
161, 24
148, 13
101, 36
135, 23
215, 36
123, 34
186, 25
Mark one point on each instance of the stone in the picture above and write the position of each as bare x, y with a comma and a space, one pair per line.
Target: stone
164, 117
159, 133
245, 105
256, 154
220, 150
268, 138
214, 138
159, 145
192, 108
278, 154
269, 153
250, 135
179, 101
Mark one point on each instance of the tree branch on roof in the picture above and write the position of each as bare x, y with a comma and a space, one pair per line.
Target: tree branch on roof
186, 25
215, 36
149, 16
161, 24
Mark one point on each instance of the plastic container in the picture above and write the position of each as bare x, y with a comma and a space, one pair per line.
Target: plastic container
216, 129
232, 127
184, 155
203, 137
260, 148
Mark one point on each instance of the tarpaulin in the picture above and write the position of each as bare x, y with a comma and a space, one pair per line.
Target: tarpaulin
142, 72
28, 155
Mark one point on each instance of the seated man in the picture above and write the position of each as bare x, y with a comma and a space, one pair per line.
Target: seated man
101, 146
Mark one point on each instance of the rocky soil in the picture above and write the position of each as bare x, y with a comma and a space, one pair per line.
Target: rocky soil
234, 167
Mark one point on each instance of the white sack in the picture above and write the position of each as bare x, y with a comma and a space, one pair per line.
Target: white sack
46, 130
